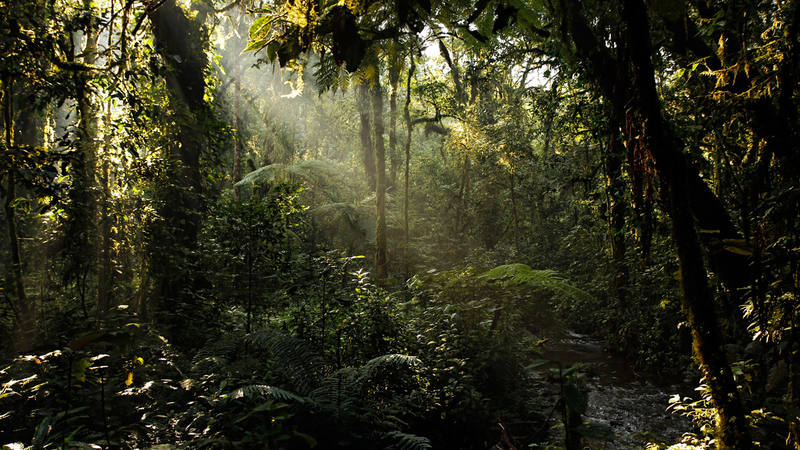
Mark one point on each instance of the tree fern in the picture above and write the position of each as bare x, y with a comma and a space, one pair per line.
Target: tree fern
510, 275
313, 171
343, 393
346, 221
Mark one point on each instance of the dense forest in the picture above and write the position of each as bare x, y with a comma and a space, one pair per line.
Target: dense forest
407, 224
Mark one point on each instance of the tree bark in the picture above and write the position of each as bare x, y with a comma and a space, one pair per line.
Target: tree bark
180, 43
237, 123
514, 214
409, 129
681, 187
367, 153
83, 200
104, 269
380, 180
394, 157
645, 127
615, 187
8, 206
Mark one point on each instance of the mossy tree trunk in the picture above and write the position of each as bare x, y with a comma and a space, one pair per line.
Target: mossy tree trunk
406, 172
180, 43
645, 126
682, 190
367, 152
8, 206
394, 156
82, 195
380, 179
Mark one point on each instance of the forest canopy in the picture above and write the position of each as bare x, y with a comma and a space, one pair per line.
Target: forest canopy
399, 224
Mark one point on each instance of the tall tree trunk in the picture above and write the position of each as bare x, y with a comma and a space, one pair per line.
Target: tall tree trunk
380, 180
615, 187
514, 214
83, 201
682, 188
367, 153
463, 193
409, 129
180, 42
8, 206
104, 268
394, 157
645, 127
549, 119
237, 123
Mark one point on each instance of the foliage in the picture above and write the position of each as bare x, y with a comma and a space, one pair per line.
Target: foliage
553, 167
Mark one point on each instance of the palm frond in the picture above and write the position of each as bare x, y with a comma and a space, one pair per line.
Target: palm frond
262, 174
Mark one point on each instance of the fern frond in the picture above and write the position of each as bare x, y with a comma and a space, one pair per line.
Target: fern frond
328, 74
260, 340
254, 391
297, 358
523, 275
319, 172
262, 174
340, 393
216, 353
406, 441
388, 362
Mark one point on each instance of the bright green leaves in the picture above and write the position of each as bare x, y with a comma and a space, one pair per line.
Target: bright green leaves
79, 367
522, 274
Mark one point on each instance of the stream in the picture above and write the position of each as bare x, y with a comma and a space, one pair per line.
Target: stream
634, 407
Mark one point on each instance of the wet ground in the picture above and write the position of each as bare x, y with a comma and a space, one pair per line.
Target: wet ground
633, 405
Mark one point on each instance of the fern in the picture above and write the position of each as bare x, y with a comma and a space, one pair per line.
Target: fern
523, 275
385, 362
298, 359
254, 391
346, 220
216, 353
406, 441
328, 74
313, 171
340, 394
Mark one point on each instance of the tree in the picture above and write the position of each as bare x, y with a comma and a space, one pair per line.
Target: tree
180, 43
646, 131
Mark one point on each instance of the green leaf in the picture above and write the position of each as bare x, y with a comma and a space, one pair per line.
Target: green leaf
260, 28
79, 369
537, 363
255, 45
272, 50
